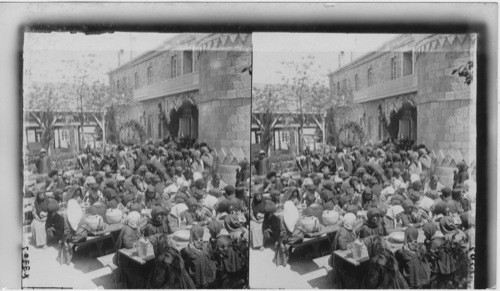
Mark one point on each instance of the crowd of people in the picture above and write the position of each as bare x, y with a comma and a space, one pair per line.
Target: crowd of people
375, 190
157, 188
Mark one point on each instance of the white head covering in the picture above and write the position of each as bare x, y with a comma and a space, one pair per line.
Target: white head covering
471, 187
290, 215
348, 221
171, 189
184, 184
210, 201
75, 214
394, 210
178, 209
133, 219
414, 177
425, 203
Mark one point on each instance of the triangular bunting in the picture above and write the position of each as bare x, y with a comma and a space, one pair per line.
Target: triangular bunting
450, 39
228, 43
243, 37
232, 37
461, 37
466, 43
238, 42
447, 44
219, 43
441, 41
224, 39
456, 43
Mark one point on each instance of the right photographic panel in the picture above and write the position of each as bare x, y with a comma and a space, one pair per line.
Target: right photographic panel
363, 157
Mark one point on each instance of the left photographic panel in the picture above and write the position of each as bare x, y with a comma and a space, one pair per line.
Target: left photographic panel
135, 150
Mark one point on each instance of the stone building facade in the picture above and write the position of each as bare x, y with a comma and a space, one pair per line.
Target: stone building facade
407, 89
196, 85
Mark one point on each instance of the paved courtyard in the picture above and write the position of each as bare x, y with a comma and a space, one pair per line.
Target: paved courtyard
299, 274
84, 273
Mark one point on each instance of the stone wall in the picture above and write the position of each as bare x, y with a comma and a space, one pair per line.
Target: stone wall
225, 93
446, 106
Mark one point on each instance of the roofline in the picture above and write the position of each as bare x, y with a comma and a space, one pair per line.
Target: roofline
77, 111
366, 56
158, 50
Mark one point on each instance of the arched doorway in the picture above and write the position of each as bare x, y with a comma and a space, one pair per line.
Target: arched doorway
184, 121
351, 134
403, 123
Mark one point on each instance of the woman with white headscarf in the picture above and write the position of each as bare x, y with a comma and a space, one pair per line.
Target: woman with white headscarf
344, 275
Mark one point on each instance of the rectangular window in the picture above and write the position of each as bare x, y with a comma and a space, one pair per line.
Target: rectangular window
407, 63
136, 84
117, 85
124, 83
370, 77
344, 85
356, 82
150, 75
173, 63
188, 62
394, 68
338, 88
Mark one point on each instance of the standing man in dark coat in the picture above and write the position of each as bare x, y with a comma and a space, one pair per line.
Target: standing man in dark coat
43, 162
262, 164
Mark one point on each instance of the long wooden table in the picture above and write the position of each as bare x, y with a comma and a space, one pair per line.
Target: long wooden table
394, 246
132, 254
97, 238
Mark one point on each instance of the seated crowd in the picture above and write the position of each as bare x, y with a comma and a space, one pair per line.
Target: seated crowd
157, 189
374, 191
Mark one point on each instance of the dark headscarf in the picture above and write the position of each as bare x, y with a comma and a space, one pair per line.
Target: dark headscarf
258, 207
447, 225
215, 227
41, 204
372, 212
231, 260
411, 234
196, 233
224, 206
441, 208
289, 192
231, 223
429, 229
52, 205
270, 207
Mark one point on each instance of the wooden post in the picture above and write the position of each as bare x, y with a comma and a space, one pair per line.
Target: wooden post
104, 129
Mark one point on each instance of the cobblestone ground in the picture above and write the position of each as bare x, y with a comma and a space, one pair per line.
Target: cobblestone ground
84, 273
299, 274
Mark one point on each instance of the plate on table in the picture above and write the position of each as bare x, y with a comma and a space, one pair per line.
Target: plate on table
397, 237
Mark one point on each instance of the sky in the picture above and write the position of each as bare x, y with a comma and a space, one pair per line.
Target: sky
270, 49
44, 53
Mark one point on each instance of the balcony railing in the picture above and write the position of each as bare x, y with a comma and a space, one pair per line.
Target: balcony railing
175, 85
403, 85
